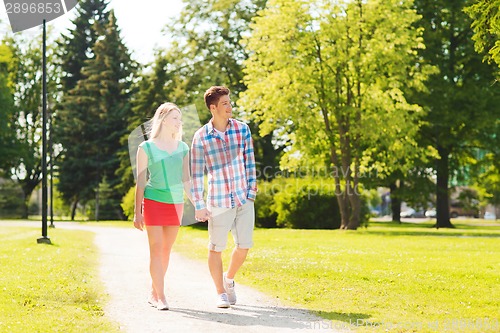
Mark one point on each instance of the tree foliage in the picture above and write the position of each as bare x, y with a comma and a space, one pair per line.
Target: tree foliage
93, 118
26, 77
8, 141
486, 26
330, 77
207, 50
462, 103
76, 45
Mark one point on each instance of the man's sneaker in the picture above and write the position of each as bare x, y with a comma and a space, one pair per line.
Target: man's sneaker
222, 301
231, 294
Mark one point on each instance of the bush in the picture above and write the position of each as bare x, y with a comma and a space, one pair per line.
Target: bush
302, 203
305, 203
265, 215
128, 203
11, 199
109, 204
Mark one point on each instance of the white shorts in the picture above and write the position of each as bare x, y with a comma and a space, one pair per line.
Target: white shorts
239, 220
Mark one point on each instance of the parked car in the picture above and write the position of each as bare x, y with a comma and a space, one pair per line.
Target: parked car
490, 216
431, 213
411, 213
457, 209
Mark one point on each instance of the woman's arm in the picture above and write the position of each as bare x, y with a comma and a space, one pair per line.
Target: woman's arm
141, 168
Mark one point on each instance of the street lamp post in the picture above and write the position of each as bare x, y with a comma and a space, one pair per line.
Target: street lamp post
44, 239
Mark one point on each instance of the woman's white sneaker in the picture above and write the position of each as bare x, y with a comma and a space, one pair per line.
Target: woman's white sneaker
162, 305
222, 301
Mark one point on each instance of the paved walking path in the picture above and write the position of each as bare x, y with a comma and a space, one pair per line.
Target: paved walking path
190, 293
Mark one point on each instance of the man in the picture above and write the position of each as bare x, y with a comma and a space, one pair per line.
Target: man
224, 149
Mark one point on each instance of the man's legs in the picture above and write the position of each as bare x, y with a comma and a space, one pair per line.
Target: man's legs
242, 230
240, 221
237, 259
218, 228
215, 266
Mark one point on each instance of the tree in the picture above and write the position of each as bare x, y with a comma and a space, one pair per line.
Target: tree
76, 48
8, 142
486, 26
93, 118
330, 77
462, 103
207, 51
26, 76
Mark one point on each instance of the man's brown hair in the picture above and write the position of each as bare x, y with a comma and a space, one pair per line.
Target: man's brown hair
214, 93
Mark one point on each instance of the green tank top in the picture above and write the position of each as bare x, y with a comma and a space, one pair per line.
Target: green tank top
165, 173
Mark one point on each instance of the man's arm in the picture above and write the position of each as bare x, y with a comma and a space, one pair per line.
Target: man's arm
197, 173
250, 167
186, 179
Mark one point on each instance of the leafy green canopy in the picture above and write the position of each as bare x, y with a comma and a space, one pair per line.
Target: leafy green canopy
329, 78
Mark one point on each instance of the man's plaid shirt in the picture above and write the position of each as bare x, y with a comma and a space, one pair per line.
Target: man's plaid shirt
229, 162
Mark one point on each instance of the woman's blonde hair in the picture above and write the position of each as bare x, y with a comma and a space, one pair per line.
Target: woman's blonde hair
160, 114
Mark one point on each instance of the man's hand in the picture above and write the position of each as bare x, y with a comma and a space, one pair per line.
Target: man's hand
202, 215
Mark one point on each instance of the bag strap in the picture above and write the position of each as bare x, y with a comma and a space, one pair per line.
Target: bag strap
149, 150
149, 157
164, 173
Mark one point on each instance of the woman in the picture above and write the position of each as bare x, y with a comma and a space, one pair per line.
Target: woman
159, 197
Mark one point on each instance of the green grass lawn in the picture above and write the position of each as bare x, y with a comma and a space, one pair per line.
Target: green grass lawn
414, 276
386, 278
50, 288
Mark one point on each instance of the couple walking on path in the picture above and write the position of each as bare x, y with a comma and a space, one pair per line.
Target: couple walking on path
223, 149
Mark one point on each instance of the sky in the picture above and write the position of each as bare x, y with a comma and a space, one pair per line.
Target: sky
141, 23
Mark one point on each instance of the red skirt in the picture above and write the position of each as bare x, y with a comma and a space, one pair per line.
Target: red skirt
162, 214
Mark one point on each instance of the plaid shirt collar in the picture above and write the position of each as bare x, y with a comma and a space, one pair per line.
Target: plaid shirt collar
211, 128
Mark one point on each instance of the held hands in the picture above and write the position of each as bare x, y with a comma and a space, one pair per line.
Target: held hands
202, 215
139, 221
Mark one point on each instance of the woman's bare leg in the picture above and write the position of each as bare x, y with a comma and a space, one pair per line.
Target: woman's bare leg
155, 238
169, 236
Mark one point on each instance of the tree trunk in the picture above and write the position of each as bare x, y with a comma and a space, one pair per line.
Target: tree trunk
344, 209
395, 203
24, 214
354, 199
442, 197
73, 209
355, 202
97, 204
28, 186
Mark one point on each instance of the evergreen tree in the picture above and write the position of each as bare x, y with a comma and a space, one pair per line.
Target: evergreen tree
150, 92
94, 118
76, 46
